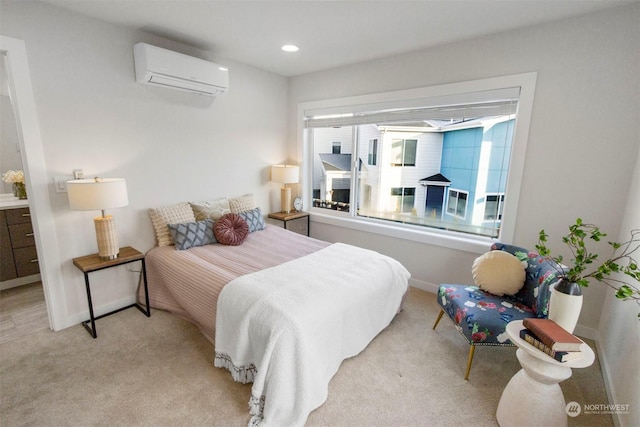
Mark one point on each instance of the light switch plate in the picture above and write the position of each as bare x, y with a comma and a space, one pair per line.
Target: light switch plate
60, 183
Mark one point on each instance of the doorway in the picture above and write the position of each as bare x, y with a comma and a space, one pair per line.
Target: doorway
435, 200
23, 311
22, 304
36, 180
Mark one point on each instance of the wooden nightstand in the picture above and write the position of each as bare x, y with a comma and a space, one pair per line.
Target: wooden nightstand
90, 263
292, 216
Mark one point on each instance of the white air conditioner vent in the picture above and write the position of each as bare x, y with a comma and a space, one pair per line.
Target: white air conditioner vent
161, 67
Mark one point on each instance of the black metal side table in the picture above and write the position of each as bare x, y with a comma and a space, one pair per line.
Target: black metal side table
91, 263
291, 216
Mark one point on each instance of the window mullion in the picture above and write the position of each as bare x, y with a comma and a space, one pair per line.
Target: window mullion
355, 187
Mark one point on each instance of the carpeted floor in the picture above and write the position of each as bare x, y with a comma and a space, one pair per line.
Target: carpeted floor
159, 371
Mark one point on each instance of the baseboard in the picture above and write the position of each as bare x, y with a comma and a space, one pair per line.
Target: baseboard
585, 332
425, 286
605, 368
14, 283
78, 318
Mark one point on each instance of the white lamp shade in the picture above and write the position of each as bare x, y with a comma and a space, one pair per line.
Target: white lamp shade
97, 194
285, 174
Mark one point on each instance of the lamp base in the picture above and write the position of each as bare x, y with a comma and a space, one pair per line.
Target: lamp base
285, 200
106, 237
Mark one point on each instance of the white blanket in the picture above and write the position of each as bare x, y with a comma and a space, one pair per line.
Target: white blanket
288, 328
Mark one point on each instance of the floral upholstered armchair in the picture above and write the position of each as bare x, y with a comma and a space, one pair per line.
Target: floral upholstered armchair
482, 317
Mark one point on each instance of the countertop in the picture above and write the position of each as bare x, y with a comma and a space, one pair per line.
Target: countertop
9, 201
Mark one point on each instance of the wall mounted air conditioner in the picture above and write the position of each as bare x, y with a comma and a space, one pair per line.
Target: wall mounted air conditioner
161, 67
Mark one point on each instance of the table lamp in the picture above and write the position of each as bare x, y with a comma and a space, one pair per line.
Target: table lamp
285, 174
100, 194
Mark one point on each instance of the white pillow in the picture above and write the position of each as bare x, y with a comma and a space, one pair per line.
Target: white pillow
170, 214
499, 273
213, 209
242, 203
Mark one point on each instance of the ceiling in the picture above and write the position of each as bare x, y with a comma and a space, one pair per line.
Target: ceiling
329, 33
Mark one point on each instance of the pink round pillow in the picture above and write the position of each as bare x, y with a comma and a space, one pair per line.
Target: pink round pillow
231, 229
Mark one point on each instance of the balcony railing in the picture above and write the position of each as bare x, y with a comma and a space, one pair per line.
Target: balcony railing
329, 204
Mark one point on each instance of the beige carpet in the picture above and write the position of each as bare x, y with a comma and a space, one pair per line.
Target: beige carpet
158, 371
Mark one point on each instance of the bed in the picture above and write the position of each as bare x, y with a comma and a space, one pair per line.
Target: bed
282, 310
187, 283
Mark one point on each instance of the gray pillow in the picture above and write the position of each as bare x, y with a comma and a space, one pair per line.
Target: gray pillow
190, 234
254, 219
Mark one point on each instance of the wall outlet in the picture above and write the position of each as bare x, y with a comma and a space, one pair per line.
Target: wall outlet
60, 183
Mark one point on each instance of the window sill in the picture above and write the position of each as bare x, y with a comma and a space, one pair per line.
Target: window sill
443, 238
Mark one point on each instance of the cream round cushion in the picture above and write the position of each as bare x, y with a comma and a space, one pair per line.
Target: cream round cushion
499, 273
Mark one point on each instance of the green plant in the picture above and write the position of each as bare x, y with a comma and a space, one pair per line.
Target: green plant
585, 263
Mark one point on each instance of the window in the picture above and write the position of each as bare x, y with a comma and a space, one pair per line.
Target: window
403, 198
403, 152
372, 156
467, 156
443, 157
457, 204
493, 207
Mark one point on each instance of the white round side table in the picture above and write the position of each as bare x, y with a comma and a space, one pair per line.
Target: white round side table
533, 395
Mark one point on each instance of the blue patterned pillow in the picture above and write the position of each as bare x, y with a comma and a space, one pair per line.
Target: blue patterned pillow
190, 234
254, 219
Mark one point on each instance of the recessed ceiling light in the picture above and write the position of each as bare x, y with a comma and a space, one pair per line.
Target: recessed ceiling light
290, 48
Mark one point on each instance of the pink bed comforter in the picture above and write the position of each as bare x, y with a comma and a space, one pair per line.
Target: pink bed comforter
187, 283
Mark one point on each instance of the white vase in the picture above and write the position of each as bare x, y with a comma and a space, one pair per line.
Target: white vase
565, 304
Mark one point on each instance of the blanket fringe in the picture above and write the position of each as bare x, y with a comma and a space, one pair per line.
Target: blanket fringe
241, 374
256, 408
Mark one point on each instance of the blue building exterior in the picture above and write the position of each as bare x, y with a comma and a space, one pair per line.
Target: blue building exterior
476, 162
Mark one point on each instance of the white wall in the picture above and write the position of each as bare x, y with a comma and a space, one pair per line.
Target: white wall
169, 146
619, 329
582, 151
583, 137
9, 152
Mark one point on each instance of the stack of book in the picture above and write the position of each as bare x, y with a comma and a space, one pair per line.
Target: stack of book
549, 337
